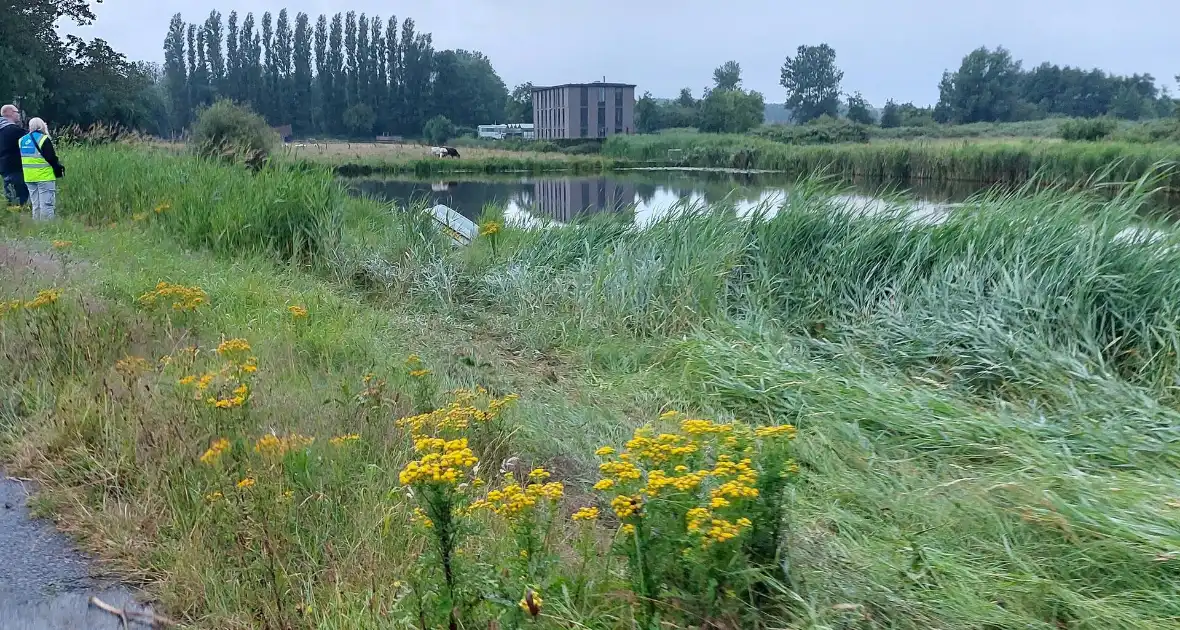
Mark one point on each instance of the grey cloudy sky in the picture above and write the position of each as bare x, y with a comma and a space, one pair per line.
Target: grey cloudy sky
887, 49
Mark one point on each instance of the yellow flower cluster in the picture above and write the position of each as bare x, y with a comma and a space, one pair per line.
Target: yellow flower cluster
183, 298
671, 464
420, 518
586, 514
10, 307
214, 452
783, 430
230, 381
461, 413
514, 499
491, 228
248, 482
441, 462
662, 448
45, 297
62, 244
342, 440
626, 506
275, 447
132, 366
163, 207
297, 312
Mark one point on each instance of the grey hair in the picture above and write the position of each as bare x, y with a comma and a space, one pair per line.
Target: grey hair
36, 124
8, 109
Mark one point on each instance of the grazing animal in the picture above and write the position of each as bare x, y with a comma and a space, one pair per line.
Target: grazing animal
444, 152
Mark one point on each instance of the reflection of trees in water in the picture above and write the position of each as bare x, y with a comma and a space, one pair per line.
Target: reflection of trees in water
466, 197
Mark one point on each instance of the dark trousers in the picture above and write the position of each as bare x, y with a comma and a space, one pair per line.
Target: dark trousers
15, 190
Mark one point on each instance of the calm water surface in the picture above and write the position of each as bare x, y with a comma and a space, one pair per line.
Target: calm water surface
636, 195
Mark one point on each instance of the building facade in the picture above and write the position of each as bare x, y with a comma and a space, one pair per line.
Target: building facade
583, 110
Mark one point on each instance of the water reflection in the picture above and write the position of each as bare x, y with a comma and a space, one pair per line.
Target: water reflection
638, 196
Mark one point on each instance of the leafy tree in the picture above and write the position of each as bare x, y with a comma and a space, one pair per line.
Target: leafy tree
914, 116
282, 80
438, 130
334, 112
685, 99
249, 50
359, 120
728, 76
214, 54
233, 60
176, 73
301, 87
731, 111
351, 74
467, 89
647, 114
984, 89
324, 74
362, 59
891, 115
267, 101
1129, 104
416, 67
812, 81
394, 107
519, 108
378, 79
858, 110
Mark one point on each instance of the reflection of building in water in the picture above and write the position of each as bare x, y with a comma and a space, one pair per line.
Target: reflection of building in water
565, 200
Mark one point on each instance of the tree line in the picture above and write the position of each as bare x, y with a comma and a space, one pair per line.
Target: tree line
724, 108
344, 75
71, 80
989, 86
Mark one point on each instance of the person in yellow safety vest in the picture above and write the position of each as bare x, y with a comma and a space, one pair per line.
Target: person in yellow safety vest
42, 169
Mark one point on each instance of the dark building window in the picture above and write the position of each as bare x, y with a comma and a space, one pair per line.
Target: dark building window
618, 97
602, 120
619, 119
585, 97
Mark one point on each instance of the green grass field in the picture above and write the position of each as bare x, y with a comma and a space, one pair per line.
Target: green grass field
986, 407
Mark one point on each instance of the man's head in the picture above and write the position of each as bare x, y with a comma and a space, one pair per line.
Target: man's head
11, 113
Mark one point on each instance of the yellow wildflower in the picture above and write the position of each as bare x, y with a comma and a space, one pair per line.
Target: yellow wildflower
539, 474
586, 514
232, 346
342, 440
420, 518
62, 244
215, 450
163, 207
491, 228
605, 484
213, 496
297, 312
605, 451
627, 529
784, 430
271, 445
419, 373
531, 602
248, 482
44, 297
626, 506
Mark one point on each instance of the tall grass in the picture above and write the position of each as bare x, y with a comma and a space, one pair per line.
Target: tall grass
986, 404
435, 166
290, 213
1003, 162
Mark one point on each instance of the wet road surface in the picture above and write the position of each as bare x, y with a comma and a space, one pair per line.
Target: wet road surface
45, 583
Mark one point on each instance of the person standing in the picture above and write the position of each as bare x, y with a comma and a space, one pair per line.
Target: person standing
41, 169
10, 162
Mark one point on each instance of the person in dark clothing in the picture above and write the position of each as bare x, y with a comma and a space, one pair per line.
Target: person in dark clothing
10, 163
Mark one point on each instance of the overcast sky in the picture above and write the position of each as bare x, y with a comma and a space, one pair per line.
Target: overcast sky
887, 49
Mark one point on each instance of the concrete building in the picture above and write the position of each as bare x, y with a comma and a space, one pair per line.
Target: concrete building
583, 110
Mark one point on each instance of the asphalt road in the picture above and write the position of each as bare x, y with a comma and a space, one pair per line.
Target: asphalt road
45, 583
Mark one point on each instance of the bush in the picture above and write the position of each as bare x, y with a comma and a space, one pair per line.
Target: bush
228, 131
1087, 129
359, 119
825, 130
438, 130
586, 148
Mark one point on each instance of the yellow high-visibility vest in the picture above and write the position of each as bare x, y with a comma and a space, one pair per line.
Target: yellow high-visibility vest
35, 167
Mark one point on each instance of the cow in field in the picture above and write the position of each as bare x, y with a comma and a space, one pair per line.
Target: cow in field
444, 152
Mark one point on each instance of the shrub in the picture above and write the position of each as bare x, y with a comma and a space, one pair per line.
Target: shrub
1087, 129
825, 130
229, 131
438, 130
359, 119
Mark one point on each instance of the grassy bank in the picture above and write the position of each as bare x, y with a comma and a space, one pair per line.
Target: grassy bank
990, 162
985, 411
436, 166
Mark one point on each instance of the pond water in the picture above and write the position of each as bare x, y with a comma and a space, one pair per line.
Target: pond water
639, 195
